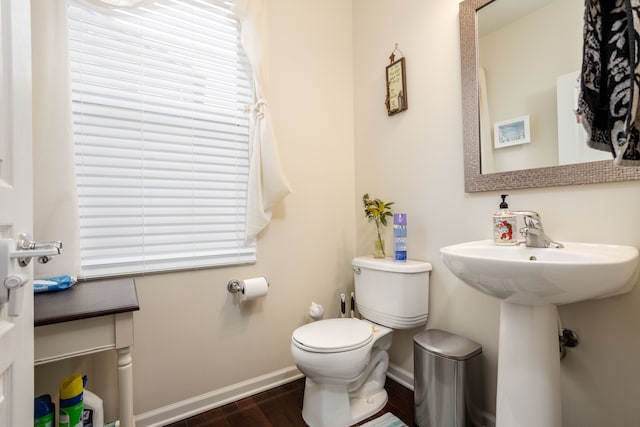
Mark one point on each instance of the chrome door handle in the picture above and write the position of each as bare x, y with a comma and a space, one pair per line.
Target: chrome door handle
29, 248
26, 242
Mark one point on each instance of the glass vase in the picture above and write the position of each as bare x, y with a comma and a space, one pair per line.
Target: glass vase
378, 248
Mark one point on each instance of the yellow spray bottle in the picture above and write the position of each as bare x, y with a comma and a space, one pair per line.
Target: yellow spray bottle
71, 403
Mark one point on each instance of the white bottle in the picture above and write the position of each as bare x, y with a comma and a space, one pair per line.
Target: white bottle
504, 225
93, 408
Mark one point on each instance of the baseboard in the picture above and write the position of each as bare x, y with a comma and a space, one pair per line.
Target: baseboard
401, 376
214, 399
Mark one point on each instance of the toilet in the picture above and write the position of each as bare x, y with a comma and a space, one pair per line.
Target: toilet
345, 360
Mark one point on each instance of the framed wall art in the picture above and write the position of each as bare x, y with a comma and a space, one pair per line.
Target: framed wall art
396, 100
511, 132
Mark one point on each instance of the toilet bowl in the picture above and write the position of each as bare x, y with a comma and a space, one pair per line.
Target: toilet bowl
345, 360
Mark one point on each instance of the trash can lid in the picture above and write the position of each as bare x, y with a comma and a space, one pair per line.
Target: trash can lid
448, 345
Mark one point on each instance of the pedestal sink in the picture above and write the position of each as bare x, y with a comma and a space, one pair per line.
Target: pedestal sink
531, 282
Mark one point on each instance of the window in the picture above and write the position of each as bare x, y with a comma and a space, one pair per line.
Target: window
161, 135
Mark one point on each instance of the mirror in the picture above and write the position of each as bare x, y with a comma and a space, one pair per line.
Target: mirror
481, 173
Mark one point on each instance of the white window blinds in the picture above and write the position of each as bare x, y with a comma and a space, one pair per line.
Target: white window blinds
161, 129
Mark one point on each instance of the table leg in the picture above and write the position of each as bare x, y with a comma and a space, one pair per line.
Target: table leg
125, 387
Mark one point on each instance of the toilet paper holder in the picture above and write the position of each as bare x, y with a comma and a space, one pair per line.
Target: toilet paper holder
234, 285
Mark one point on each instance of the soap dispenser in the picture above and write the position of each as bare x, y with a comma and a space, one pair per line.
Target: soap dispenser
504, 224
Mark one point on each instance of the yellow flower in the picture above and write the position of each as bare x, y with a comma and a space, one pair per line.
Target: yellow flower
376, 210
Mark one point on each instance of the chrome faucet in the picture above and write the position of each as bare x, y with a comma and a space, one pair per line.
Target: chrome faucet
533, 231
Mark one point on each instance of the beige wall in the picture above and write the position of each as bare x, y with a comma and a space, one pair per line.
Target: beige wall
415, 158
327, 93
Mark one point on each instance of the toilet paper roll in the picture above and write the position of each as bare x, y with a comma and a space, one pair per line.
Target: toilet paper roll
253, 288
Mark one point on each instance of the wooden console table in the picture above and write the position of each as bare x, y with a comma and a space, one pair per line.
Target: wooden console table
87, 318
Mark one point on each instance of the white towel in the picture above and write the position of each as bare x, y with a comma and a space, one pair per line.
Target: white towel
267, 183
609, 95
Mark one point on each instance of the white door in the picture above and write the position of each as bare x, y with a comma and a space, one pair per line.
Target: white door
16, 332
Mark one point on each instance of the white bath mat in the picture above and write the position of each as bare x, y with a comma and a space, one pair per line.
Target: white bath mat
386, 420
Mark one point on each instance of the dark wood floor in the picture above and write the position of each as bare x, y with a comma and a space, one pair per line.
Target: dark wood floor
282, 406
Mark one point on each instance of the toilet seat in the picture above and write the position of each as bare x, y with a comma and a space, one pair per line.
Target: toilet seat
333, 335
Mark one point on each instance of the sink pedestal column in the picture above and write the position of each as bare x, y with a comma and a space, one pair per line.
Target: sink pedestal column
528, 392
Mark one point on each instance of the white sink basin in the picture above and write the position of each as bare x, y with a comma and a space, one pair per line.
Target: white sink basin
530, 283
534, 276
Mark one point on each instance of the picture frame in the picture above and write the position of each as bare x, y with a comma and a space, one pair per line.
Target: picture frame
396, 87
512, 132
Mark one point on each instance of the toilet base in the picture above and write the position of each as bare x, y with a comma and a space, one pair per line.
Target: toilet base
329, 405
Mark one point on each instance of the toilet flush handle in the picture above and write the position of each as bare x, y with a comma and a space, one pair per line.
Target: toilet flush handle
356, 270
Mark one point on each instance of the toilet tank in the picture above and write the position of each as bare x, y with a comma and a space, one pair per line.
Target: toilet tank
393, 294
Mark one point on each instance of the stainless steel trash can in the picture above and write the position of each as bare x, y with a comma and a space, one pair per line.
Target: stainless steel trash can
447, 380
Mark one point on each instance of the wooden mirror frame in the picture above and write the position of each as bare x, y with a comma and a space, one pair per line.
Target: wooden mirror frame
474, 179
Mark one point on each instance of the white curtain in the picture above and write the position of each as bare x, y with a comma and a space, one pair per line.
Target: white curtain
55, 199
268, 184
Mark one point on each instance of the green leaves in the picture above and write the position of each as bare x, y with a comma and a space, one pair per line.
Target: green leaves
376, 210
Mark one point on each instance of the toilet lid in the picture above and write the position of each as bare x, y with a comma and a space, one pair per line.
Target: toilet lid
333, 335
